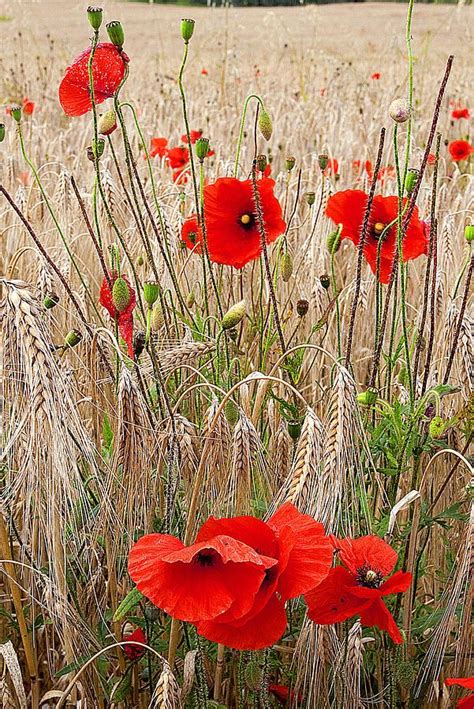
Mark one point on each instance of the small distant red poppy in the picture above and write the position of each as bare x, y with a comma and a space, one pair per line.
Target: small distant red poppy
191, 234
384, 173
134, 652
108, 70
177, 157
180, 176
468, 683
24, 178
431, 159
459, 113
194, 135
460, 150
348, 208
357, 588
28, 106
124, 319
376, 75
283, 694
204, 72
332, 167
159, 146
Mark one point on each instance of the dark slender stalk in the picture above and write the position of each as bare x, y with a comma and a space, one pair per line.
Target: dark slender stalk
88, 224
429, 351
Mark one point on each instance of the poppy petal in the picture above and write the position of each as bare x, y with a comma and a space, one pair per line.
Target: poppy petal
332, 601
467, 682
378, 614
398, 583
369, 551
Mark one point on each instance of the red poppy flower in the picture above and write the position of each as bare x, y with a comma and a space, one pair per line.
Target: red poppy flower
348, 208
177, 157
384, 173
460, 150
376, 75
204, 72
124, 318
284, 695
302, 556
159, 147
459, 113
357, 588
194, 135
28, 106
108, 69
191, 234
332, 167
233, 236
468, 683
431, 159
134, 652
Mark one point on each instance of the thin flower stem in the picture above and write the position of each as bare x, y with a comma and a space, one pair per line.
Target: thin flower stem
336, 299
242, 127
186, 122
94, 42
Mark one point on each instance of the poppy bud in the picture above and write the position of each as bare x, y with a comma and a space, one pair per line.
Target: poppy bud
116, 33
98, 147
286, 266
202, 148
411, 179
333, 242
302, 307
323, 160
157, 317
290, 163
325, 281
2, 132
231, 412
437, 427
107, 123
190, 299
151, 291
400, 110
140, 260
50, 300
294, 429
121, 294
16, 112
368, 397
265, 124
187, 29
310, 198
469, 233
139, 342
234, 315
72, 338
94, 15
261, 162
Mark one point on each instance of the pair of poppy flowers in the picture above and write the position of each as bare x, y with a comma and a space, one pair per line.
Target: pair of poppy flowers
234, 581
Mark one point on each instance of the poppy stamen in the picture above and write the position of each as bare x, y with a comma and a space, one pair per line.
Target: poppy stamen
368, 577
247, 220
379, 228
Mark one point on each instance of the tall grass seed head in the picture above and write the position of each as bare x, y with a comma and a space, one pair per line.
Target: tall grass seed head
187, 29
94, 15
107, 123
116, 33
400, 110
265, 124
234, 315
121, 294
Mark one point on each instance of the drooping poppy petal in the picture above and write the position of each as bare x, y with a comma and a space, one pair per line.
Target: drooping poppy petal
134, 652
332, 600
108, 70
398, 583
378, 614
467, 682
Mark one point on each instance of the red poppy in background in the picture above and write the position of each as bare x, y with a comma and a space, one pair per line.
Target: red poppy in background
28, 106
284, 694
159, 146
384, 173
460, 150
431, 159
459, 113
194, 135
357, 588
180, 176
302, 557
468, 683
332, 167
124, 318
134, 652
233, 235
204, 72
108, 70
177, 157
191, 234
376, 75
348, 208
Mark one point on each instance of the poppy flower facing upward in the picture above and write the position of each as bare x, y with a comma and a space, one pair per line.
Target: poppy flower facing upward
194, 135
357, 588
348, 208
460, 150
376, 75
459, 113
108, 70
468, 683
159, 146
177, 157
28, 106
124, 318
233, 582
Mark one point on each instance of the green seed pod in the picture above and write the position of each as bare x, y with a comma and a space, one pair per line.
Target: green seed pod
286, 266
202, 148
94, 15
310, 198
2, 132
72, 338
294, 429
302, 307
16, 112
290, 163
151, 291
116, 33
437, 427
368, 397
187, 29
265, 124
333, 242
98, 148
121, 294
234, 315
323, 160
411, 180
469, 233
231, 412
325, 281
261, 162
107, 123
50, 300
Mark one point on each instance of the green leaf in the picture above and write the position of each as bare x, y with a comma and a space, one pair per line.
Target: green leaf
129, 603
107, 433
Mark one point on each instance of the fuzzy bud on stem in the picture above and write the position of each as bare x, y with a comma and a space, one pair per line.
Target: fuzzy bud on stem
333, 241
400, 110
265, 124
234, 315
286, 266
121, 294
107, 123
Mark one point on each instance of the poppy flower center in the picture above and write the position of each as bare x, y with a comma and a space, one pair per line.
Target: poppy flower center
368, 577
378, 229
205, 558
247, 220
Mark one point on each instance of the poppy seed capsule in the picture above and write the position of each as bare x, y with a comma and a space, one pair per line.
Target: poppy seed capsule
98, 147
187, 29
116, 33
234, 315
323, 160
16, 112
94, 15
121, 294
72, 338
50, 300
151, 290
2, 132
310, 198
400, 110
368, 397
265, 124
302, 307
107, 123
333, 242
411, 180
294, 429
290, 163
469, 233
286, 266
261, 161
202, 148
325, 281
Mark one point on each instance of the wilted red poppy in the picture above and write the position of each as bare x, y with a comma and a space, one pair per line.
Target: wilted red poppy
348, 208
194, 135
302, 556
468, 683
177, 157
134, 652
159, 146
460, 150
108, 70
191, 234
459, 113
233, 235
357, 588
124, 318
376, 75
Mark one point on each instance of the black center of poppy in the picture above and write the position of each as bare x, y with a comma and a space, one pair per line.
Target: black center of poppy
369, 577
378, 229
192, 237
246, 221
205, 558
